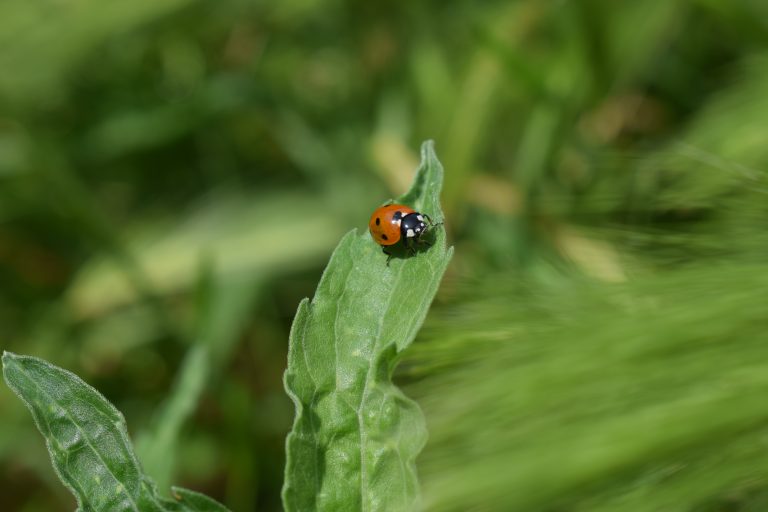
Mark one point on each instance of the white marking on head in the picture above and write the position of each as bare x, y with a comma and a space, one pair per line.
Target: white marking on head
409, 233
420, 217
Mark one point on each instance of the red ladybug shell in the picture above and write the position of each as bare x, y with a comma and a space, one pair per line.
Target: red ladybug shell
385, 223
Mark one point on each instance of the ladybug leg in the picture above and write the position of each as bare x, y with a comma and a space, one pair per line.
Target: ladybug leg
420, 242
389, 255
432, 223
409, 245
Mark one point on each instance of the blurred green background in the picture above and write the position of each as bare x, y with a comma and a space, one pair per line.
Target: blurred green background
175, 173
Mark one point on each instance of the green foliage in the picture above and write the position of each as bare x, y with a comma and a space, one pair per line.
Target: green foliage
641, 396
596, 150
641, 388
356, 436
44, 53
87, 440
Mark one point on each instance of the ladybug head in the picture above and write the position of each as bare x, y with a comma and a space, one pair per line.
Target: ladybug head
413, 226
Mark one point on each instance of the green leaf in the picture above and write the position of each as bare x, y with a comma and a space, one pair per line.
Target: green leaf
356, 435
88, 441
195, 502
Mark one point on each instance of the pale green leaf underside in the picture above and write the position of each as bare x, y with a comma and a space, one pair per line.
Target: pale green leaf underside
356, 436
88, 441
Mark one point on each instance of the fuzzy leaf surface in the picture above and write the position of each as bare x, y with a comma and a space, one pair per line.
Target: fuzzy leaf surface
88, 442
355, 435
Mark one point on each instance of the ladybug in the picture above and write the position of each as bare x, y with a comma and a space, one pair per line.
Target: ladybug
393, 223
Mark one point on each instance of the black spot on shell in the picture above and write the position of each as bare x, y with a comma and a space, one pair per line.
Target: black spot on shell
378, 221
384, 237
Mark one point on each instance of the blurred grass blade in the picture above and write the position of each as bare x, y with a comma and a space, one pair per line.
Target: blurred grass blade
158, 446
356, 435
86, 437
229, 228
224, 305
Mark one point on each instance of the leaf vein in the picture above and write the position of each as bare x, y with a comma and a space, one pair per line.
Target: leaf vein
312, 426
363, 436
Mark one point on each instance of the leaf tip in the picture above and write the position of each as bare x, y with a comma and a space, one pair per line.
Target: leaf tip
9, 360
427, 149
